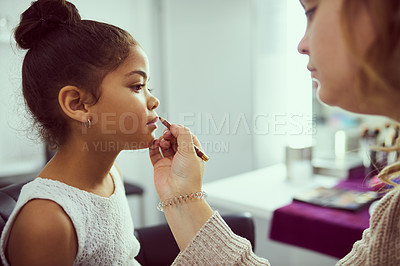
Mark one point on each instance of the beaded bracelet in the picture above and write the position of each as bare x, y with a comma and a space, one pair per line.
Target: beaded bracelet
180, 199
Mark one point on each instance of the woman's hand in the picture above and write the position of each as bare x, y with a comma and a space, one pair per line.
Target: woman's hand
179, 171
177, 168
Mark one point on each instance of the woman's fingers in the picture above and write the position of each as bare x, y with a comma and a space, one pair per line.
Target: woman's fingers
165, 144
154, 152
166, 147
168, 135
168, 153
184, 138
197, 143
172, 141
170, 144
175, 146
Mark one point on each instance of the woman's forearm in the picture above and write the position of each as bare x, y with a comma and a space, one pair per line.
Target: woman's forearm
186, 219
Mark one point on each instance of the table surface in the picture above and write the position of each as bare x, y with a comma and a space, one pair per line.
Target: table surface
260, 192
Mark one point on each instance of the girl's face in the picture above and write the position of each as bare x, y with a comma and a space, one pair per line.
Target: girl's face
330, 60
125, 117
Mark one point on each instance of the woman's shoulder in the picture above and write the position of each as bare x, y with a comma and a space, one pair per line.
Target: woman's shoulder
45, 222
391, 198
387, 210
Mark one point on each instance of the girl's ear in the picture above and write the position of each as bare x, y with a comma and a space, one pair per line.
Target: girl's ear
74, 103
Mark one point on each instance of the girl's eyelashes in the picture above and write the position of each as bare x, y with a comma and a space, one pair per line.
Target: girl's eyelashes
310, 13
137, 88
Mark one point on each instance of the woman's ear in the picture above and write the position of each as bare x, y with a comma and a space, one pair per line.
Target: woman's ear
74, 103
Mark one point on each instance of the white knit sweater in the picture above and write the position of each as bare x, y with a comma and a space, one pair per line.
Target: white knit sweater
103, 225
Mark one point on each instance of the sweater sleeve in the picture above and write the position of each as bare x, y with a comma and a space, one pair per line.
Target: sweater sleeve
216, 244
380, 244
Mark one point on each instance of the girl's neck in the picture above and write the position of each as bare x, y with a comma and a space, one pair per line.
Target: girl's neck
87, 169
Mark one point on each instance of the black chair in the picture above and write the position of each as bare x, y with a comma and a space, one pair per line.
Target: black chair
158, 246
8, 198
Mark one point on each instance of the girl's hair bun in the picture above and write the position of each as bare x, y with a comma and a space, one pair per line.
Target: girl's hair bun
43, 17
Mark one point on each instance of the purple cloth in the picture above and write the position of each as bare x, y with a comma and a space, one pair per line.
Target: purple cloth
329, 231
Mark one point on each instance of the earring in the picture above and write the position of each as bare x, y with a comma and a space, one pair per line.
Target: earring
88, 124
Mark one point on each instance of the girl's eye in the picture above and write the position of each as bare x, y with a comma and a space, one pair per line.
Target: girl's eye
310, 13
137, 88
150, 89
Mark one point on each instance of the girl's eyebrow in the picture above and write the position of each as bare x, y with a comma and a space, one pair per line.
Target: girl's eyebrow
142, 73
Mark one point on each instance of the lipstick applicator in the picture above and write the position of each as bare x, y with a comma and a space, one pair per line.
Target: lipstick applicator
198, 151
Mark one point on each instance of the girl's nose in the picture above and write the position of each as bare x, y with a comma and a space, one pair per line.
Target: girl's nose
153, 103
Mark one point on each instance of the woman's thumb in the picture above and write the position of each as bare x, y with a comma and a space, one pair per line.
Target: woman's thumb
184, 138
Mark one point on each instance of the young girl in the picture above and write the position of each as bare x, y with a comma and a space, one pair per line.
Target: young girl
354, 55
85, 83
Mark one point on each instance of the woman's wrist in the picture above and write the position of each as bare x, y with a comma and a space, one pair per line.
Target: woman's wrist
180, 199
185, 220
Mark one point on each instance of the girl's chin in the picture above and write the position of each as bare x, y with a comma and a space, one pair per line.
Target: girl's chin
143, 144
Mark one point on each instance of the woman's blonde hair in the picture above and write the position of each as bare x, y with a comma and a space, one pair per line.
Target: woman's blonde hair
380, 65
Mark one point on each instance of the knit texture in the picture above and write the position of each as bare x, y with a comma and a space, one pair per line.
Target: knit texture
103, 225
216, 244
380, 244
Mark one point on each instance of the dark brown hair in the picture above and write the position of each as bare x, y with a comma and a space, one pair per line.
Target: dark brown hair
64, 50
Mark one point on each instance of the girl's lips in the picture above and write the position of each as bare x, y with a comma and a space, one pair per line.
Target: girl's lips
153, 121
